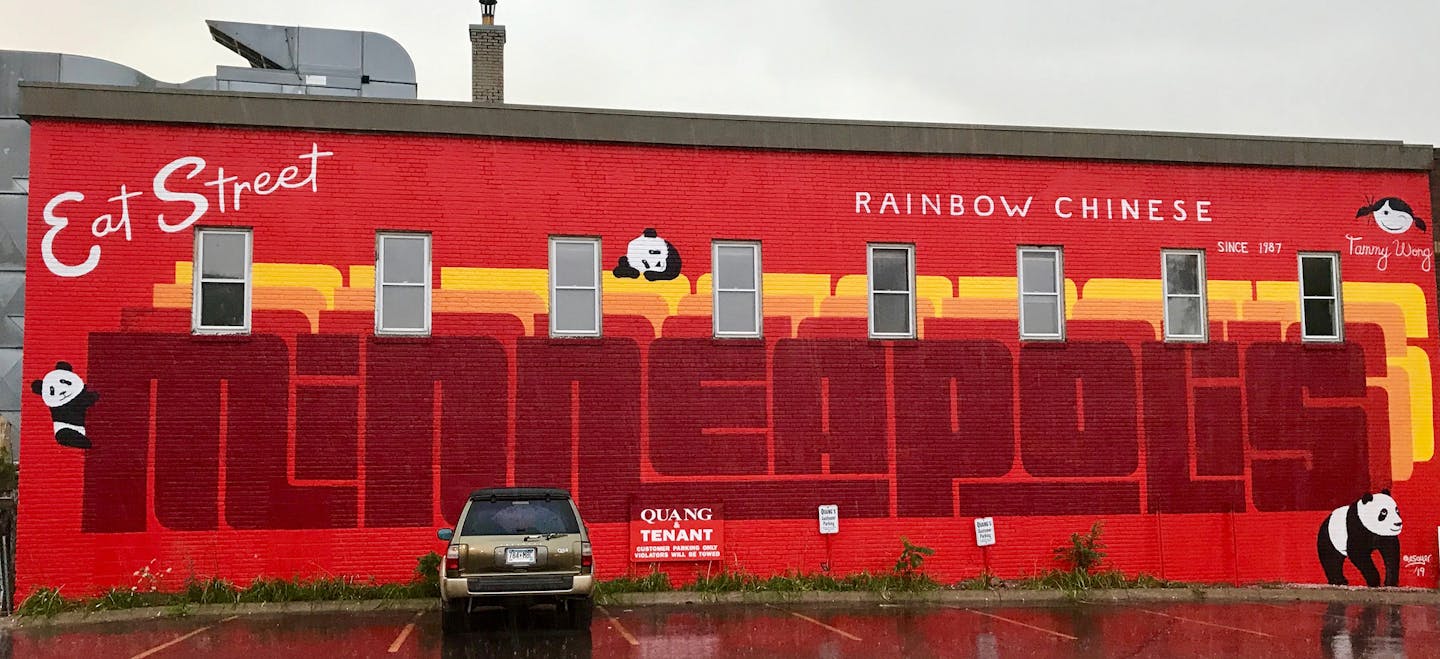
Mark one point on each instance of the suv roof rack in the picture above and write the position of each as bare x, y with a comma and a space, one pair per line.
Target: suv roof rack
494, 493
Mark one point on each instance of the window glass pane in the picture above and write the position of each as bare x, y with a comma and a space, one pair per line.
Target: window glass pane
1316, 276
222, 305
403, 260
735, 312
1184, 317
519, 517
575, 264
1037, 272
735, 267
891, 269
892, 313
1320, 318
402, 307
222, 255
574, 311
1182, 273
1040, 314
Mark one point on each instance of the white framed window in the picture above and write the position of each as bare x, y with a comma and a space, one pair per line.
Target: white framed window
1320, 316
221, 303
402, 283
735, 276
1042, 293
574, 286
891, 277
1183, 274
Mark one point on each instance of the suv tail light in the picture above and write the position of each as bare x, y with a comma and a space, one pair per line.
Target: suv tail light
586, 558
452, 559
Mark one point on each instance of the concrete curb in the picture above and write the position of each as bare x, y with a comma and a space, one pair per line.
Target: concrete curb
208, 611
982, 598
1043, 597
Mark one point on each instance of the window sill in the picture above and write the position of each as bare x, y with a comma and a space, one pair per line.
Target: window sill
738, 340
1186, 343
210, 336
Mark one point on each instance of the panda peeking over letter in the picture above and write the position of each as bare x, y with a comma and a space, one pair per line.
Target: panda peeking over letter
65, 394
651, 255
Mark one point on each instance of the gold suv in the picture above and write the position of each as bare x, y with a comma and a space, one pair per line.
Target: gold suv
518, 546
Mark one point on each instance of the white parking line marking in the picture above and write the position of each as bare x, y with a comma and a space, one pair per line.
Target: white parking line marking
1022, 624
404, 634
177, 639
619, 627
806, 618
1209, 624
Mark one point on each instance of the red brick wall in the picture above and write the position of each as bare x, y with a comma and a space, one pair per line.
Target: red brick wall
313, 447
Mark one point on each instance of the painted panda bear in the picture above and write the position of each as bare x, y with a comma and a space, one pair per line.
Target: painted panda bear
65, 394
650, 255
1357, 530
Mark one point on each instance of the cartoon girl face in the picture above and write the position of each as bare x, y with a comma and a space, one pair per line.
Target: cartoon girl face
1394, 221
1393, 215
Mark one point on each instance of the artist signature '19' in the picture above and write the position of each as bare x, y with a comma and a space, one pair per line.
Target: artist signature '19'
264, 183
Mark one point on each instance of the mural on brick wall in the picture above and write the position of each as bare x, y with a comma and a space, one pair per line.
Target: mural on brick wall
1392, 214
1356, 532
65, 394
312, 433
651, 256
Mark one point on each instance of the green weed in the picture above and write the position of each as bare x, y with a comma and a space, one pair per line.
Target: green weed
45, 602
912, 559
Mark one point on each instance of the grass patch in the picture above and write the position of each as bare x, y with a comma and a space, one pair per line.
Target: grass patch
326, 589
1076, 580
730, 581
47, 602
908, 577
655, 582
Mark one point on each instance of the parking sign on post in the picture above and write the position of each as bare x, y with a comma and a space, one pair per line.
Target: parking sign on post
984, 531
829, 520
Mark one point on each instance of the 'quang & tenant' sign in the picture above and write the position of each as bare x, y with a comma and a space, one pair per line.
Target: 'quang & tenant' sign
676, 533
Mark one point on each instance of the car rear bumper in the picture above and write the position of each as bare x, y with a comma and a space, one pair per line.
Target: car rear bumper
549, 584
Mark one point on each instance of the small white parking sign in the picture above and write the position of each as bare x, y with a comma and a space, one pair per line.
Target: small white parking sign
984, 531
829, 520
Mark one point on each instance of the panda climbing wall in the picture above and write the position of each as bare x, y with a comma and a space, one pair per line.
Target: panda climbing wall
65, 394
1357, 530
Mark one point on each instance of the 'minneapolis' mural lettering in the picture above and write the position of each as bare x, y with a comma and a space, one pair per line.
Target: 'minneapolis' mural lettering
1109, 427
228, 194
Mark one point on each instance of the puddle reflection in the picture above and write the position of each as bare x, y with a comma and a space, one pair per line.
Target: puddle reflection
516, 634
1369, 630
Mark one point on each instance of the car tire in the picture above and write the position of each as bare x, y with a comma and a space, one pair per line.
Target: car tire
579, 613
454, 619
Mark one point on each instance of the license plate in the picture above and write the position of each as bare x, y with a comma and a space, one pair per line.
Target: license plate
520, 556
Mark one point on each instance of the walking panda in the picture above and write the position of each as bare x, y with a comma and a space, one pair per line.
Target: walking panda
1355, 531
65, 394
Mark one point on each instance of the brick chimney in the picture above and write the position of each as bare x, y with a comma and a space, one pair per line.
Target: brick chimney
487, 58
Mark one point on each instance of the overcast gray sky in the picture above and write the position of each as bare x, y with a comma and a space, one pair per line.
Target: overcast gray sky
1284, 67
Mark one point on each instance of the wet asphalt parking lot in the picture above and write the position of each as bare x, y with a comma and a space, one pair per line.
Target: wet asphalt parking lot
757, 630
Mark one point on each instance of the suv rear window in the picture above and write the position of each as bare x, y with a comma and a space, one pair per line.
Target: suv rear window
516, 517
